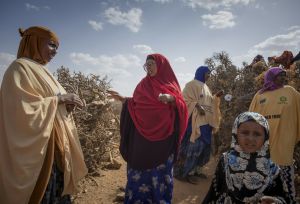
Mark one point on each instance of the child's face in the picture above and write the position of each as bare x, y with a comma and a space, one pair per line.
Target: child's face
250, 136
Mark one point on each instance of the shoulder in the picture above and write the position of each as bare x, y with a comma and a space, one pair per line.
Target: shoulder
20, 63
289, 88
194, 83
13, 67
19, 68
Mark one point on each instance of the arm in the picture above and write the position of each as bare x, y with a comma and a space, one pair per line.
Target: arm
115, 95
277, 192
70, 100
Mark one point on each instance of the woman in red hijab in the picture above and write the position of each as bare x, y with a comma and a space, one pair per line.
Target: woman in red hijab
153, 123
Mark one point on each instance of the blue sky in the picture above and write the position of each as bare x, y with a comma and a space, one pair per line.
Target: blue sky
113, 37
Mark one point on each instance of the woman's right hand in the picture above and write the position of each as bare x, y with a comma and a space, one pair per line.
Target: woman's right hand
115, 95
200, 109
70, 99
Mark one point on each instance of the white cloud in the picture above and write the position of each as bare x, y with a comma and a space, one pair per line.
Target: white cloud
212, 4
5, 60
163, 1
109, 65
184, 78
47, 7
220, 20
125, 71
180, 59
289, 41
143, 49
31, 7
296, 27
272, 46
131, 19
96, 25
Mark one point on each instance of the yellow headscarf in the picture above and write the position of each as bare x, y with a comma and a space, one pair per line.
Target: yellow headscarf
32, 40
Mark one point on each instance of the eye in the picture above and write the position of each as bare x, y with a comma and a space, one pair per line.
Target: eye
53, 46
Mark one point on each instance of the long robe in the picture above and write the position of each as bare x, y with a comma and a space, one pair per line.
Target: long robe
32, 125
198, 92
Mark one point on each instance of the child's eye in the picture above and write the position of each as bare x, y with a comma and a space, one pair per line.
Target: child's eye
257, 134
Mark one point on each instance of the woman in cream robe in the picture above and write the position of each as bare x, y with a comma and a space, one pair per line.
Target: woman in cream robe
204, 117
40, 154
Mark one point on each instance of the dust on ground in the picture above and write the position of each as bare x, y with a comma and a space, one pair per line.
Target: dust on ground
109, 185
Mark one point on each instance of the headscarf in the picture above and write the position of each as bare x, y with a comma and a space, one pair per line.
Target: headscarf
257, 58
270, 76
152, 118
285, 59
249, 174
200, 73
32, 40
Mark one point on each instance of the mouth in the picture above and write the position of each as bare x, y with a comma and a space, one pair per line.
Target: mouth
52, 56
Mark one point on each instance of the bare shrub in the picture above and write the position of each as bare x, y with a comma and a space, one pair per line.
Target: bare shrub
97, 124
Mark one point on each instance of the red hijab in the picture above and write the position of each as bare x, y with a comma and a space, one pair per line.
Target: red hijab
152, 118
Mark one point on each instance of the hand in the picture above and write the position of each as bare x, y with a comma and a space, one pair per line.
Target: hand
115, 95
70, 99
71, 107
219, 93
267, 200
165, 98
200, 109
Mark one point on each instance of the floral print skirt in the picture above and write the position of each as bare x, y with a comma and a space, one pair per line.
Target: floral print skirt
151, 185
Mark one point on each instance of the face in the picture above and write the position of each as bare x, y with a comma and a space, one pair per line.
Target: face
280, 79
250, 136
49, 50
206, 76
150, 67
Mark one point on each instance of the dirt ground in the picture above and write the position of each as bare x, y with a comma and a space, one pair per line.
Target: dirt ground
105, 188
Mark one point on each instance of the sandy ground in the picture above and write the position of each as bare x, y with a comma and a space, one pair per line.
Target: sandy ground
104, 189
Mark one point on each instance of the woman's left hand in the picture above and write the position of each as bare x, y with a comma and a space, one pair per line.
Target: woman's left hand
219, 93
166, 98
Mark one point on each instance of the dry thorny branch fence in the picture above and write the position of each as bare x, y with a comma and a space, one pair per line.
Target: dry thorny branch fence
98, 122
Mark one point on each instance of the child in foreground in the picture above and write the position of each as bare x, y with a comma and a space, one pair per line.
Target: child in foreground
245, 173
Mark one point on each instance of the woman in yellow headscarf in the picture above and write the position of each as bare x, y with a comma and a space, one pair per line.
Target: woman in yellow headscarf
40, 154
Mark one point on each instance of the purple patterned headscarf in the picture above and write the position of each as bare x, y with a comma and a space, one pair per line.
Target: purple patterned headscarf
270, 76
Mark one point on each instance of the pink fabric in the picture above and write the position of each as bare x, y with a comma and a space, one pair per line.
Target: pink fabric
152, 118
